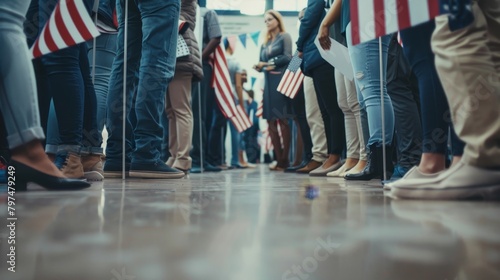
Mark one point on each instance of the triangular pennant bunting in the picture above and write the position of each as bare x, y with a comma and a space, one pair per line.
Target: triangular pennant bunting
243, 39
255, 37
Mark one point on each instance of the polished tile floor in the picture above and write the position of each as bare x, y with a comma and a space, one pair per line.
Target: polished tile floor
247, 224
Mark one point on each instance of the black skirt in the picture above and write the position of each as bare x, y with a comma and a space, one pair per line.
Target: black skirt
276, 105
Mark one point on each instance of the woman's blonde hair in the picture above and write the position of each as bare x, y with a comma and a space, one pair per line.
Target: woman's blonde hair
277, 16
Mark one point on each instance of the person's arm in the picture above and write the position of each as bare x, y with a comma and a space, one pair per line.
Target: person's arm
332, 16
214, 33
210, 48
283, 59
239, 89
311, 19
258, 67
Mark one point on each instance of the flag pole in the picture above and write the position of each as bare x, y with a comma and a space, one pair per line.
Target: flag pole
382, 109
124, 116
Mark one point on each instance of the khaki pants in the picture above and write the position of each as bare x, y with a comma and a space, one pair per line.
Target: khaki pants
468, 64
348, 103
315, 121
180, 120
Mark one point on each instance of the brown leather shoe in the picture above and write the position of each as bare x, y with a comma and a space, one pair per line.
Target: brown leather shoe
309, 167
92, 167
72, 167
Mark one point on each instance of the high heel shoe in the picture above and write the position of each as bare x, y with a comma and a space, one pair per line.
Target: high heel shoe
25, 174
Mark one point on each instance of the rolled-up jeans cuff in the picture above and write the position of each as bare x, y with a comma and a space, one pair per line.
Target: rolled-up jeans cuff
51, 149
17, 139
69, 148
92, 150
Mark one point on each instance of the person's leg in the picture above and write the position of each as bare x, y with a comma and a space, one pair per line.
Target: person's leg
216, 139
469, 71
324, 83
18, 100
470, 75
105, 54
408, 131
19, 105
351, 130
181, 120
235, 139
114, 101
53, 140
199, 114
317, 128
156, 70
286, 137
434, 106
355, 107
366, 65
172, 121
299, 108
276, 141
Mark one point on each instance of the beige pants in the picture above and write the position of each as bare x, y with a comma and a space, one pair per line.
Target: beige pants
468, 64
315, 121
180, 120
348, 103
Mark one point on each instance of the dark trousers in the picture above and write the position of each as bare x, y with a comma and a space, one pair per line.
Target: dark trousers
403, 90
299, 110
209, 122
436, 120
333, 117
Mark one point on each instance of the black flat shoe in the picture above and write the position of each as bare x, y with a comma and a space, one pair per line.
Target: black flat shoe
25, 174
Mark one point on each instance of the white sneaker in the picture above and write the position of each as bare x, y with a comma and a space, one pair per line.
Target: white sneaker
413, 173
462, 181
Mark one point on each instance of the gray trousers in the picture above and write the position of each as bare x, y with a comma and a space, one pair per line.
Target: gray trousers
18, 96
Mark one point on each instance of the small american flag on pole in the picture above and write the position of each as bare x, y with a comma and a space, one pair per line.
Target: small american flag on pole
371, 19
223, 92
260, 110
292, 78
70, 24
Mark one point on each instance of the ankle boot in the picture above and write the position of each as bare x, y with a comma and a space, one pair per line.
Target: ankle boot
92, 167
375, 165
70, 164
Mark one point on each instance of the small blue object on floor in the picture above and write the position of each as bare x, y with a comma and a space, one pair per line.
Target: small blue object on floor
312, 192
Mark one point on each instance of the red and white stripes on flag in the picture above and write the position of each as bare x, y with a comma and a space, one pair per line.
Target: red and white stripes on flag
292, 78
260, 110
223, 91
182, 26
371, 19
69, 25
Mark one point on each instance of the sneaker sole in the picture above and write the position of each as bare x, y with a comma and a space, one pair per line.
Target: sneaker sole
155, 175
115, 174
93, 176
485, 192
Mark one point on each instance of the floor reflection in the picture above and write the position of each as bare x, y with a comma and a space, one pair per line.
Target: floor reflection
249, 224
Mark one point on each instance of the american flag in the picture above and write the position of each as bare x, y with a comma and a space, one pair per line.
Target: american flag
371, 19
223, 91
69, 25
292, 78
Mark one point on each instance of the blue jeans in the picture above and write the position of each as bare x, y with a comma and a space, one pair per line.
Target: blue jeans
18, 102
91, 137
436, 118
105, 54
366, 66
66, 82
152, 61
